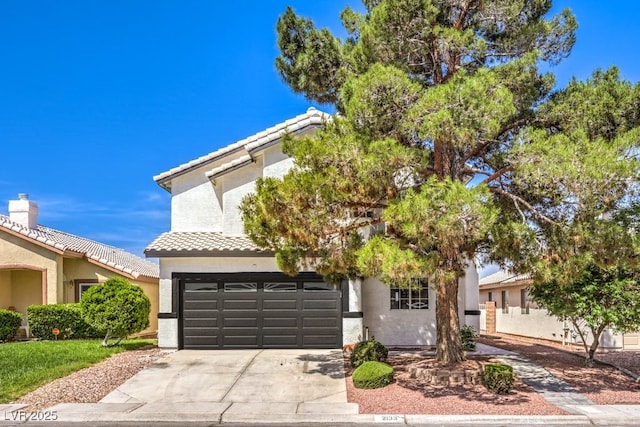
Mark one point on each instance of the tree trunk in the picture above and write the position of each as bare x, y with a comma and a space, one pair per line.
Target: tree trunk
449, 344
591, 354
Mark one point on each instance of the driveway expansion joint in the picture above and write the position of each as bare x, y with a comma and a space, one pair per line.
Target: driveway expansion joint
244, 369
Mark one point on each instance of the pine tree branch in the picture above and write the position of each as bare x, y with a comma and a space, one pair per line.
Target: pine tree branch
498, 174
517, 199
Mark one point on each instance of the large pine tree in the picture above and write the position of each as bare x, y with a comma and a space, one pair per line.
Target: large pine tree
434, 149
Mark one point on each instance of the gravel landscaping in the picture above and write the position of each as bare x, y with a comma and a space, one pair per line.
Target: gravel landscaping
91, 384
602, 384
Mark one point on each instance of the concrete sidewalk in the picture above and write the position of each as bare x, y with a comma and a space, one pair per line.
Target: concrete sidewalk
289, 387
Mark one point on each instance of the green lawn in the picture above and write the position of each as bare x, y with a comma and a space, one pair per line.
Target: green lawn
25, 366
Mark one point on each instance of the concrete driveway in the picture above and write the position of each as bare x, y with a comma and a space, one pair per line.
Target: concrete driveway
237, 386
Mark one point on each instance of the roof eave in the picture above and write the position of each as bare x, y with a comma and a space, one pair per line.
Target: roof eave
213, 176
196, 253
133, 275
59, 251
505, 284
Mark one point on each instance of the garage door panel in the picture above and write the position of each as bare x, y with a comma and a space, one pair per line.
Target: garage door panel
320, 304
239, 304
240, 341
201, 305
280, 304
320, 322
204, 322
240, 322
280, 322
200, 340
197, 331
280, 340
319, 341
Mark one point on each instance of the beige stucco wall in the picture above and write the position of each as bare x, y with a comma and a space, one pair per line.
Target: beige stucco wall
536, 322
5, 288
26, 290
16, 252
80, 269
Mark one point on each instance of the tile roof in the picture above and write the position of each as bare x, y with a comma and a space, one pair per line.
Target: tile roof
240, 161
250, 144
210, 243
503, 276
110, 257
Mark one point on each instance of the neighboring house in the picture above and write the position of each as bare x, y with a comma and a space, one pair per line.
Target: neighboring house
517, 314
219, 290
40, 265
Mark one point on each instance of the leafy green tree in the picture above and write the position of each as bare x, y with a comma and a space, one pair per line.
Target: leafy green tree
581, 175
597, 299
117, 308
443, 118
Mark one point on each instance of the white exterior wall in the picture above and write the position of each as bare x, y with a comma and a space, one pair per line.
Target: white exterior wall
414, 327
468, 297
235, 186
396, 327
276, 163
353, 328
195, 206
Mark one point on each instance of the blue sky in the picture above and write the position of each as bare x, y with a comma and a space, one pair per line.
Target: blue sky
98, 97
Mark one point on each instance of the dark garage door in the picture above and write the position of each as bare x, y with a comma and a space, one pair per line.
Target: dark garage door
266, 310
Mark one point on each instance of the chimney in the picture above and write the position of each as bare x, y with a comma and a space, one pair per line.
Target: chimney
23, 211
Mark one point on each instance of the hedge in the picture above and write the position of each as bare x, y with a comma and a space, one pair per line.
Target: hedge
67, 318
10, 321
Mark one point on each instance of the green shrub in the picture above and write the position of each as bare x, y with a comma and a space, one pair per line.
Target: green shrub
468, 335
10, 321
67, 318
498, 378
372, 374
366, 351
116, 307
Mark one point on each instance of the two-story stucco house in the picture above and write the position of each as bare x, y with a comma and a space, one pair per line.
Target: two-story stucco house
218, 290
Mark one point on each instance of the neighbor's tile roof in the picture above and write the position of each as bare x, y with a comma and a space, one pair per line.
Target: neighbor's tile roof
251, 143
110, 257
502, 276
184, 242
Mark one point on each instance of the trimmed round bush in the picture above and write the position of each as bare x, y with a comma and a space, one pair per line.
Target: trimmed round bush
10, 321
372, 374
366, 351
67, 318
116, 307
498, 378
